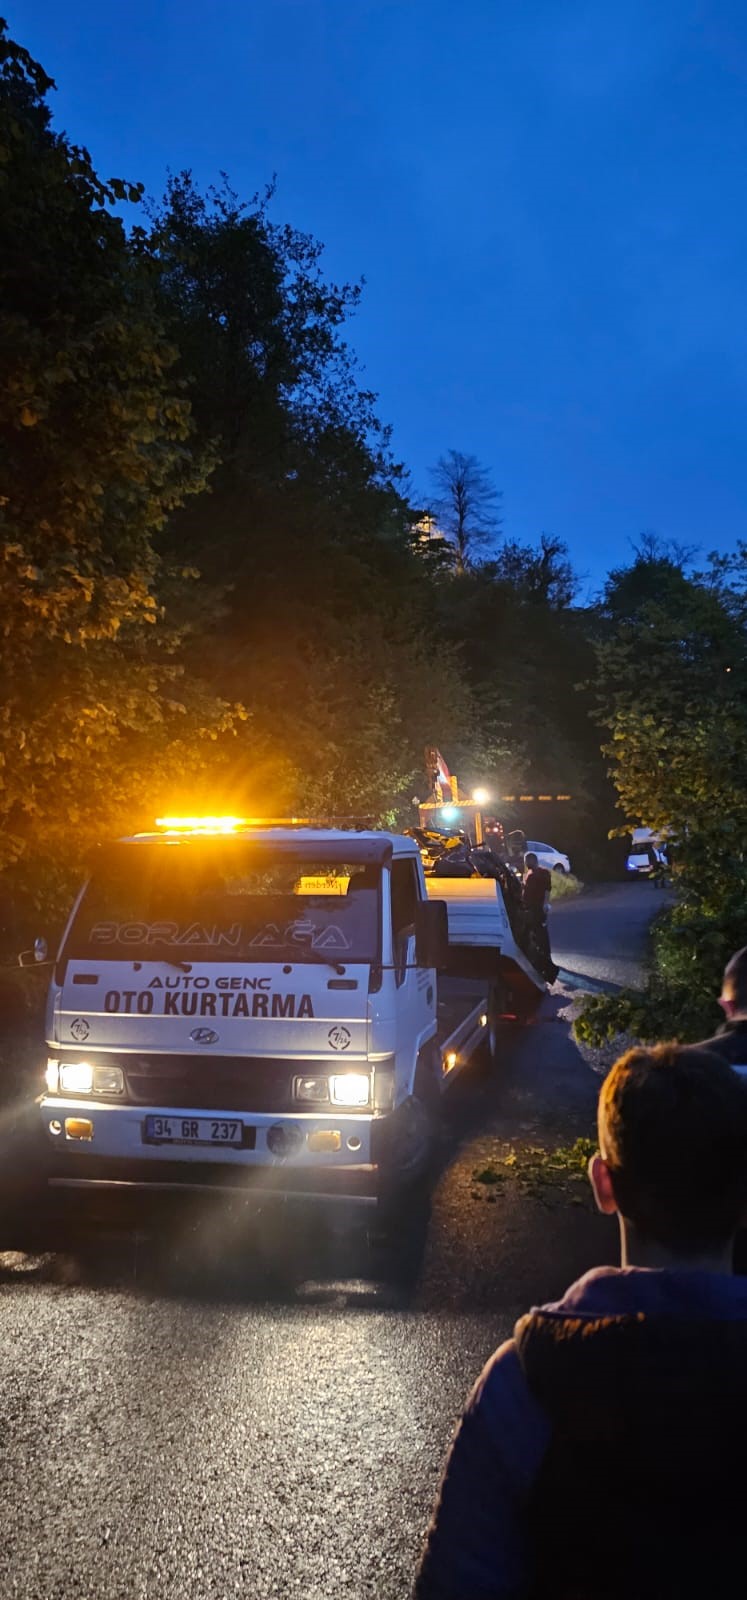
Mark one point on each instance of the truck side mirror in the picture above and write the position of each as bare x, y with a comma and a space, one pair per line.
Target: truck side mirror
40, 952
431, 934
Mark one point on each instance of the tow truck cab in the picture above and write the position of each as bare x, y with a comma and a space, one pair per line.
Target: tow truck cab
253, 1008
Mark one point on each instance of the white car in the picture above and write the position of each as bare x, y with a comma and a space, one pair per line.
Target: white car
554, 860
645, 853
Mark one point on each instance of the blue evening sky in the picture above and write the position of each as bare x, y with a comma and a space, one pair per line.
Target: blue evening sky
546, 198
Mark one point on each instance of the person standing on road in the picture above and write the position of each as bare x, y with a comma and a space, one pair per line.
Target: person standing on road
730, 1042
536, 902
601, 1453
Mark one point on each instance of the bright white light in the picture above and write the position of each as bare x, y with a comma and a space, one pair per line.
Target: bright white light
480, 797
350, 1088
76, 1077
53, 1076
449, 813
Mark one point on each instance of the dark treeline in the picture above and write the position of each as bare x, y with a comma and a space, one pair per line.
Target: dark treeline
217, 588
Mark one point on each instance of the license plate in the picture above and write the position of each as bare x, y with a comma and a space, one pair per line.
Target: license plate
192, 1130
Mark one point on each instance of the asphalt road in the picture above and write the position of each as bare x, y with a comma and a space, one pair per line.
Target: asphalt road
600, 937
172, 1430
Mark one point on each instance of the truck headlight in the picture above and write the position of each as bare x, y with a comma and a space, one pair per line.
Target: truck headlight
350, 1088
312, 1089
76, 1077
108, 1080
80, 1077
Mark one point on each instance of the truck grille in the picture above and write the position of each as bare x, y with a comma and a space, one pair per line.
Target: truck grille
207, 1083
211, 1083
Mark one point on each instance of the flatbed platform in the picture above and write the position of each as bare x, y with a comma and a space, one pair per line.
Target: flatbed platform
463, 1020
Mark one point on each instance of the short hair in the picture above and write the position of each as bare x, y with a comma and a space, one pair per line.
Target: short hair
735, 979
530, 859
673, 1132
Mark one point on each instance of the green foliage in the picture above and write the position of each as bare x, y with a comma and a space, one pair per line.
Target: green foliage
525, 650
565, 886
537, 1171
672, 695
95, 455
326, 618
259, 332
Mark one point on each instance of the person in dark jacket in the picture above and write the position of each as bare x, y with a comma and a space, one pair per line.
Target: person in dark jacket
536, 902
600, 1456
730, 1043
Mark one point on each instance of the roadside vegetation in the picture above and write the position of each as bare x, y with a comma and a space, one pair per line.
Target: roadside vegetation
546, 1174
221, 590
672, 702
565, 885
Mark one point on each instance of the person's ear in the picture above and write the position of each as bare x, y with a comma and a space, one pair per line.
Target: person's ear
601, 1183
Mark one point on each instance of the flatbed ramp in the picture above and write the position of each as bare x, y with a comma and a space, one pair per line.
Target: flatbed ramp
480, 932
475, 908
462, 1020
460, 999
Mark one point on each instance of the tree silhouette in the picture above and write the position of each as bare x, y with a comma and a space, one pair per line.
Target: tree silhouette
466, 505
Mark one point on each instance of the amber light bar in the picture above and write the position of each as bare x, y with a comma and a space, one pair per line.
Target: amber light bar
200, 824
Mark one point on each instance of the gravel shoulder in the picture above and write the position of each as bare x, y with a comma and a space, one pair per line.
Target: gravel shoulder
524, 1238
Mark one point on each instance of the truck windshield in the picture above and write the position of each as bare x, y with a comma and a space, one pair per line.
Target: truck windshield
227, 901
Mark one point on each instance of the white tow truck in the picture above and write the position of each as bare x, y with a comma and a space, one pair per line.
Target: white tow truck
270, 1010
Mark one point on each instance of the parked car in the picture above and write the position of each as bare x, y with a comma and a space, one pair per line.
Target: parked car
646, 853
548, 857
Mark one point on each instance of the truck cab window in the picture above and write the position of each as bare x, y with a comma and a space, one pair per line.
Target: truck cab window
228, 897
404, 902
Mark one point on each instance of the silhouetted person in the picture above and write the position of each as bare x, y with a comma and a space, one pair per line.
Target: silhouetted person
536, 903
601, 1454
730, 1042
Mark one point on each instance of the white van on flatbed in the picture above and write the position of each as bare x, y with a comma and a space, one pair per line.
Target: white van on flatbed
258, 1009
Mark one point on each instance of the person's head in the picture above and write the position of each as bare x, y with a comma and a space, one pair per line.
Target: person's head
733, 997
672, 1125
530, 861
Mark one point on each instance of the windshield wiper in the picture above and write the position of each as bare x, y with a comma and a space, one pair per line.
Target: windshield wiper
321, 961
160, 946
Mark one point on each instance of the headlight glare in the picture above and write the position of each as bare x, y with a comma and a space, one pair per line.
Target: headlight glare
76, 1077
350, 1088
53, 1076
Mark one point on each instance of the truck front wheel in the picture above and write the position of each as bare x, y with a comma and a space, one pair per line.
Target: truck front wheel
407, 1159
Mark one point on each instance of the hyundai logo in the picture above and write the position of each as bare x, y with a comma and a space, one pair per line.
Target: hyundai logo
204, 1036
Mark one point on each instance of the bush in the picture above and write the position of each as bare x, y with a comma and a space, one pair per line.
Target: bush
672, 695
689, 950
565, 885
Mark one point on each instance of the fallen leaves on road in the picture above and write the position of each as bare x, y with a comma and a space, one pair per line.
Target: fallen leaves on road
544, 1173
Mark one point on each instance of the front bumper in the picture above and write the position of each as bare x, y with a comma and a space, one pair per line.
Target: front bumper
117, 1155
